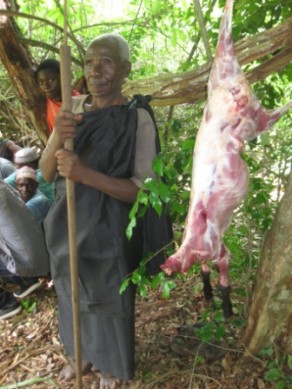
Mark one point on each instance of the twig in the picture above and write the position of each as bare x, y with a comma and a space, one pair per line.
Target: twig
199, 13
17, 361
27, 383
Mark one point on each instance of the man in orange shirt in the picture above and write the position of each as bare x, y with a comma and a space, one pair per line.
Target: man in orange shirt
48, 77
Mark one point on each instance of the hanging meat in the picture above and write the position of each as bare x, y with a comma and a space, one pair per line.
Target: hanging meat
232, 115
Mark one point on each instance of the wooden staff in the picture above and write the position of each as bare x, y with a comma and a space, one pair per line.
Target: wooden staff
65, 60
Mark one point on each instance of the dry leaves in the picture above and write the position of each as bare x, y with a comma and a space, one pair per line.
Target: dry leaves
168, 354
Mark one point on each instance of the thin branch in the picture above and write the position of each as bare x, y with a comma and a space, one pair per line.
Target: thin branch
136, 18
199, 13
46, 46
124, 23
46, 21
80, 49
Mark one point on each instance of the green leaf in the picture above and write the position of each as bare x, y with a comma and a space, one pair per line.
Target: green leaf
281, 385
220, 332
167, 287
136, 277
157, 280
158, 167
273, 375
129, 229
124, 285
143, 291
142, 197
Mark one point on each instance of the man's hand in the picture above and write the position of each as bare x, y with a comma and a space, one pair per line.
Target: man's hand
65, 125
69, 165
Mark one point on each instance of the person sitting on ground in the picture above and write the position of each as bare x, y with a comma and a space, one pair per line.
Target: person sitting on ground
26, 186
8, 148
48, 78
6, 168
38, 206
29, 156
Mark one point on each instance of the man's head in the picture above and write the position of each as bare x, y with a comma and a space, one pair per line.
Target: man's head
48, 77
115, 42
26, 182
28, 156
106, 65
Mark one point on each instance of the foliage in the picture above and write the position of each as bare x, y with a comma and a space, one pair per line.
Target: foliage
278, 367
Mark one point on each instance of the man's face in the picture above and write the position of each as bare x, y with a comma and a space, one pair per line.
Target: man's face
26, 187
104, 70
49, 82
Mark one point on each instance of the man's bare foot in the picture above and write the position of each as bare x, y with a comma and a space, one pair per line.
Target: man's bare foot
107, 381
68, 372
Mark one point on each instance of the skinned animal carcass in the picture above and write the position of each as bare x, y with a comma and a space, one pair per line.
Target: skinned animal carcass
232, 115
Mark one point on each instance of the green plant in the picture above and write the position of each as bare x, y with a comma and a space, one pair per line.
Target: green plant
29, 304
212, 326
278, 368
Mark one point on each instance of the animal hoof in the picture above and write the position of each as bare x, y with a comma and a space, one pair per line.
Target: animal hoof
207, 287
226, 303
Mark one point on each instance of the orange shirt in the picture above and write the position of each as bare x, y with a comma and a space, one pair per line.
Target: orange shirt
53, 108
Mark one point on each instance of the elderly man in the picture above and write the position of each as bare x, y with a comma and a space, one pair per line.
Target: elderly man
115, 144
26, 186
29, 156
38, 205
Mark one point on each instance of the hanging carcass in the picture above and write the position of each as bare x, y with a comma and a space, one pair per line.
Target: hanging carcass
232, 115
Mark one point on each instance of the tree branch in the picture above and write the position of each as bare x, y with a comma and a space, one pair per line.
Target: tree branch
272, 46
46, 21
199, 13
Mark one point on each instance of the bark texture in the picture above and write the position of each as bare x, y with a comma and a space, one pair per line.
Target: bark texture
18, 62
270, 314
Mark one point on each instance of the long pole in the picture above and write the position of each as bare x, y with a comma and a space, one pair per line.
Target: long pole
65, 60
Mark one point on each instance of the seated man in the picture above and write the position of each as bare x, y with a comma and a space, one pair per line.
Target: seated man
8, 148
19, 262
6, 168
29, 156
26, 186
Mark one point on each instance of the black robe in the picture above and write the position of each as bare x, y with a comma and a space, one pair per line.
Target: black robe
106, 142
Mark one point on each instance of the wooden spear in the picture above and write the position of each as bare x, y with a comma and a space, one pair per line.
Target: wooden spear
65, 60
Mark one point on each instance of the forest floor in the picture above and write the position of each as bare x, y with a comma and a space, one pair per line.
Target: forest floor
169, 352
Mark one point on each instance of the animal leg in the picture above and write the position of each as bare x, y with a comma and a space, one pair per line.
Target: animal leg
224, 288
207, 287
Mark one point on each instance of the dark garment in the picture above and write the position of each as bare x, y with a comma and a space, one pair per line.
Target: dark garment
7, 277
106, 142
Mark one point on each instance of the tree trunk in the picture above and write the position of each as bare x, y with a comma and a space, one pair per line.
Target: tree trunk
270, 315
18, 62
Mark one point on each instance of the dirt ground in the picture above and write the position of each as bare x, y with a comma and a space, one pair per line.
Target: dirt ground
169, 354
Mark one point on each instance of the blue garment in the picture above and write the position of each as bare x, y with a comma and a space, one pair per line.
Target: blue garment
39, 205
45, 187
